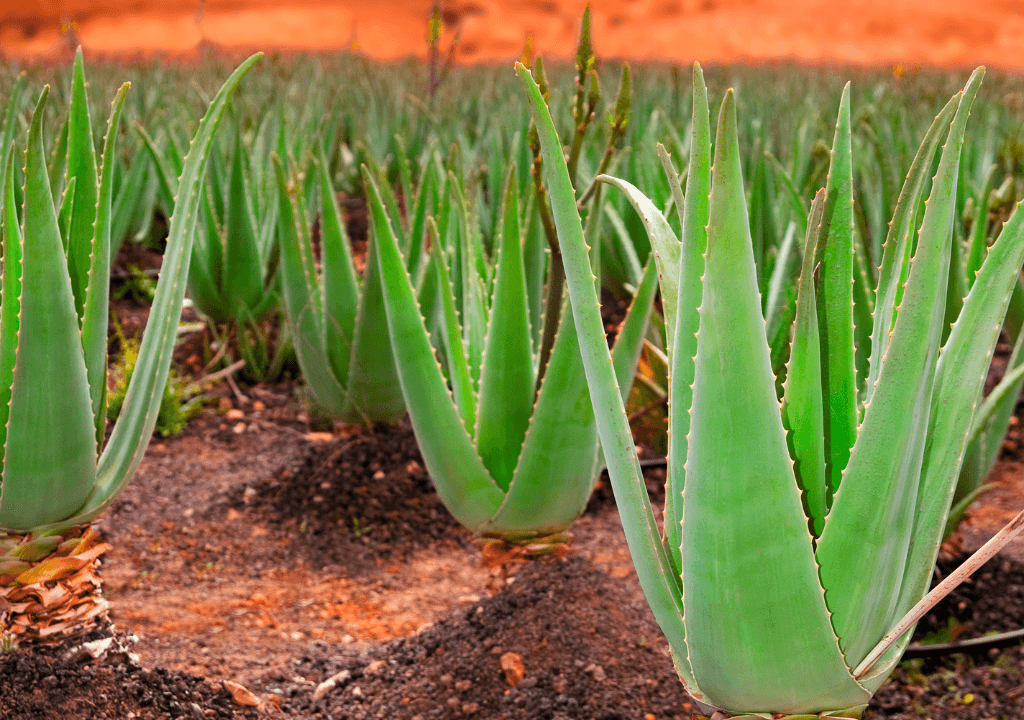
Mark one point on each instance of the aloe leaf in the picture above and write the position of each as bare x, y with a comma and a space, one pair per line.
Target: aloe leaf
206, 269
694, 223
50, 453
979, 230
418, 226
505, 401
776, 300
664, 243
870, 527
138, 415
58, 161
126, 211
340, 282
301, 300
835, 303
897, 243
10, 307
652, 564
81, 165
242, 275
97, 296
460, 477
802, 411
535, 262
468, 284
374, 391
165, 174
555, 473
457, 362
966, 355
778, 652
993, 416
67, 206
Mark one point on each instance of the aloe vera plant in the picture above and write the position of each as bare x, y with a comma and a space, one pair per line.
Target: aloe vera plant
506, 464
53, 352
232, 276
796, 537
336, 322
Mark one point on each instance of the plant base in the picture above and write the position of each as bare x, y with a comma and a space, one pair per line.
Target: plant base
49, 586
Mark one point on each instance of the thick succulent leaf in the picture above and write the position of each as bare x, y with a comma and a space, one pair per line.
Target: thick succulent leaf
374, 392
555, 474
67, 205
451, 334
165, 173
134, 426
469, 284
82, 166
134, 202
340, 282
802, 411
694, 223
777, 652
959, 381
505, 402
50, 455
897, 244
977, 242
460, 477
418, 226
664, 243
835, 303
990, 423
242, 273
10, 306
302, 303
864, 546
653, 567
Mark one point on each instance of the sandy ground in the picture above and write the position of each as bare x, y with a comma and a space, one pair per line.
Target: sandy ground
947, 33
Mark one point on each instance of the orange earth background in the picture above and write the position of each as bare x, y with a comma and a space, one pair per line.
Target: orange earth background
937, 33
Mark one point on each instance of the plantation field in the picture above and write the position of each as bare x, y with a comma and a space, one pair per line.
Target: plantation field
332, 518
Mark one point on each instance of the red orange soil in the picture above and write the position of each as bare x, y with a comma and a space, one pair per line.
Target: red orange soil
953, 33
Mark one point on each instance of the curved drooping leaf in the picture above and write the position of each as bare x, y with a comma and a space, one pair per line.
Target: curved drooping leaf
652, 563
467, 490
134, 425
868, 531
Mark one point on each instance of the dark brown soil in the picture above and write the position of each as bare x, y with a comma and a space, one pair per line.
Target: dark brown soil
587, 644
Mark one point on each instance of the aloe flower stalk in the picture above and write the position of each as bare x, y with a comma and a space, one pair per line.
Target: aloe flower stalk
53, 361
788, 562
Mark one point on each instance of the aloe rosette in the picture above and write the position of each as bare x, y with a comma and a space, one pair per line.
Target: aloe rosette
797, 536
508, 460
336, 322
53, 357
